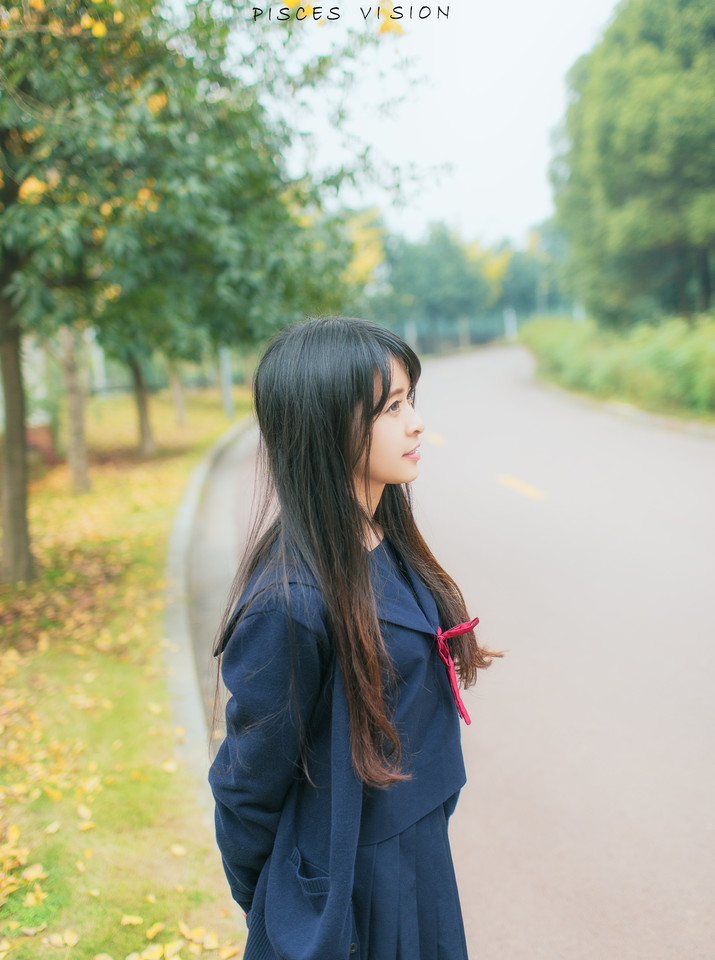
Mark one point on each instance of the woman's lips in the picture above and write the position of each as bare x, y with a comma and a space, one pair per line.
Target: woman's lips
413, 454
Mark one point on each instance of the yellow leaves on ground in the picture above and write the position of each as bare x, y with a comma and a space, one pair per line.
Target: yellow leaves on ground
35, 872
68, 938
229, 951
70, 757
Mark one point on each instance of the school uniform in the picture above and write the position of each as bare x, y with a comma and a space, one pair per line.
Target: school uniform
327, 868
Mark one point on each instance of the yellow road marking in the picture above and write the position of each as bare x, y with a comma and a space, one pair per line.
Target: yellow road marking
520, 487
435, 438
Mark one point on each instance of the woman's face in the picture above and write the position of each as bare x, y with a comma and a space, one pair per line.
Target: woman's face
395, 441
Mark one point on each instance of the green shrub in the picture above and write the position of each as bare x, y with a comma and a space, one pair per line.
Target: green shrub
667, 367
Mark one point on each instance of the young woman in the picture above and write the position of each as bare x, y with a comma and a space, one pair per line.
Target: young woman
340, 649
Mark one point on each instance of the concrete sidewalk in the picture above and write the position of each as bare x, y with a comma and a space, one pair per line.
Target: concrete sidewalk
209, 529
219, 532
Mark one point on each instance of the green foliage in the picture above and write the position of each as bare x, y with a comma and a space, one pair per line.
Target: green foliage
432, 280
669, 367
144, 192
442, 279
635, 183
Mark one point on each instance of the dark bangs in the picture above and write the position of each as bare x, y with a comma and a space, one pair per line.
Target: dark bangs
393, 348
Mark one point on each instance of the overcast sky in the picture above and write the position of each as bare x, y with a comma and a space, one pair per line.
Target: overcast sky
494, 91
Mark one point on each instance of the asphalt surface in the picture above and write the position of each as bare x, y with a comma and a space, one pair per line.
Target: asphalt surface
584, 542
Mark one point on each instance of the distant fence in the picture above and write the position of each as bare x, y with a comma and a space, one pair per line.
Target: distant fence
436, 336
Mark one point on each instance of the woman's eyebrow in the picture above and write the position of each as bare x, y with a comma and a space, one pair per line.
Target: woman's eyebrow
395, 392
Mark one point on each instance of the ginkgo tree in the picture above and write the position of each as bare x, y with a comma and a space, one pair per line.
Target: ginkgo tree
143, 192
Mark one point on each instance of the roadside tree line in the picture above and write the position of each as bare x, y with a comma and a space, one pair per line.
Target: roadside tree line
635, 176
144, 193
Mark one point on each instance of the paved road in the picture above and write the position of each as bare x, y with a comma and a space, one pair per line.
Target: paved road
584, 543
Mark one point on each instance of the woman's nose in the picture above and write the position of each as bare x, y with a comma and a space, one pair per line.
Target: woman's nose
418, 424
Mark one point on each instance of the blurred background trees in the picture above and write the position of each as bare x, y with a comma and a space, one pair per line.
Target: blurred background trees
148, 215
143, 193
635, 179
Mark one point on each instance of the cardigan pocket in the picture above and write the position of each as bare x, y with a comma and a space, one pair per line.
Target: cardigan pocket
312, 879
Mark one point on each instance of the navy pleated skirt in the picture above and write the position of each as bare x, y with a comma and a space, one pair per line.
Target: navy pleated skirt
405, 898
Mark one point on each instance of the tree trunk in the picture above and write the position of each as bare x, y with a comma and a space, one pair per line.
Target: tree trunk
147, 444
684, 272
705, 285
226, 379
76, 438
177, 391
17, 561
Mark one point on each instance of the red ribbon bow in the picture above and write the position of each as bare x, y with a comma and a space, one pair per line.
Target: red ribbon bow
446, 657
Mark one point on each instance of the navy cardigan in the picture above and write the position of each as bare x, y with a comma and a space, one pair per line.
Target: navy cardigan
288, 843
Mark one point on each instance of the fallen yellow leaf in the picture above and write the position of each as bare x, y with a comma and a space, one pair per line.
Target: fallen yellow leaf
84, 812
70, 938
210, 941
86, 825
225, 953
34, 872
171, 949
153, 930
154, 952
130, 921
35, 898
178, 850
52, 827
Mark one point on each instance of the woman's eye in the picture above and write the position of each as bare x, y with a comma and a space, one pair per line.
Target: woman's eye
394, 407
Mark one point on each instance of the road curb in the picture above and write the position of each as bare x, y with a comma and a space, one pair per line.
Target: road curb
179, 662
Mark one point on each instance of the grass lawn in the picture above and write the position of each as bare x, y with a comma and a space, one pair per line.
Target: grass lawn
103, 852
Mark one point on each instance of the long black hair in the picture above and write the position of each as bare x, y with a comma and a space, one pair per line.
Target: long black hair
318, 389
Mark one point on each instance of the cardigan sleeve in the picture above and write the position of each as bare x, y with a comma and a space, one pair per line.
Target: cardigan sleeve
272, 669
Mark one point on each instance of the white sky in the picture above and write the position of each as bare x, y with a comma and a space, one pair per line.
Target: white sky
493, 93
